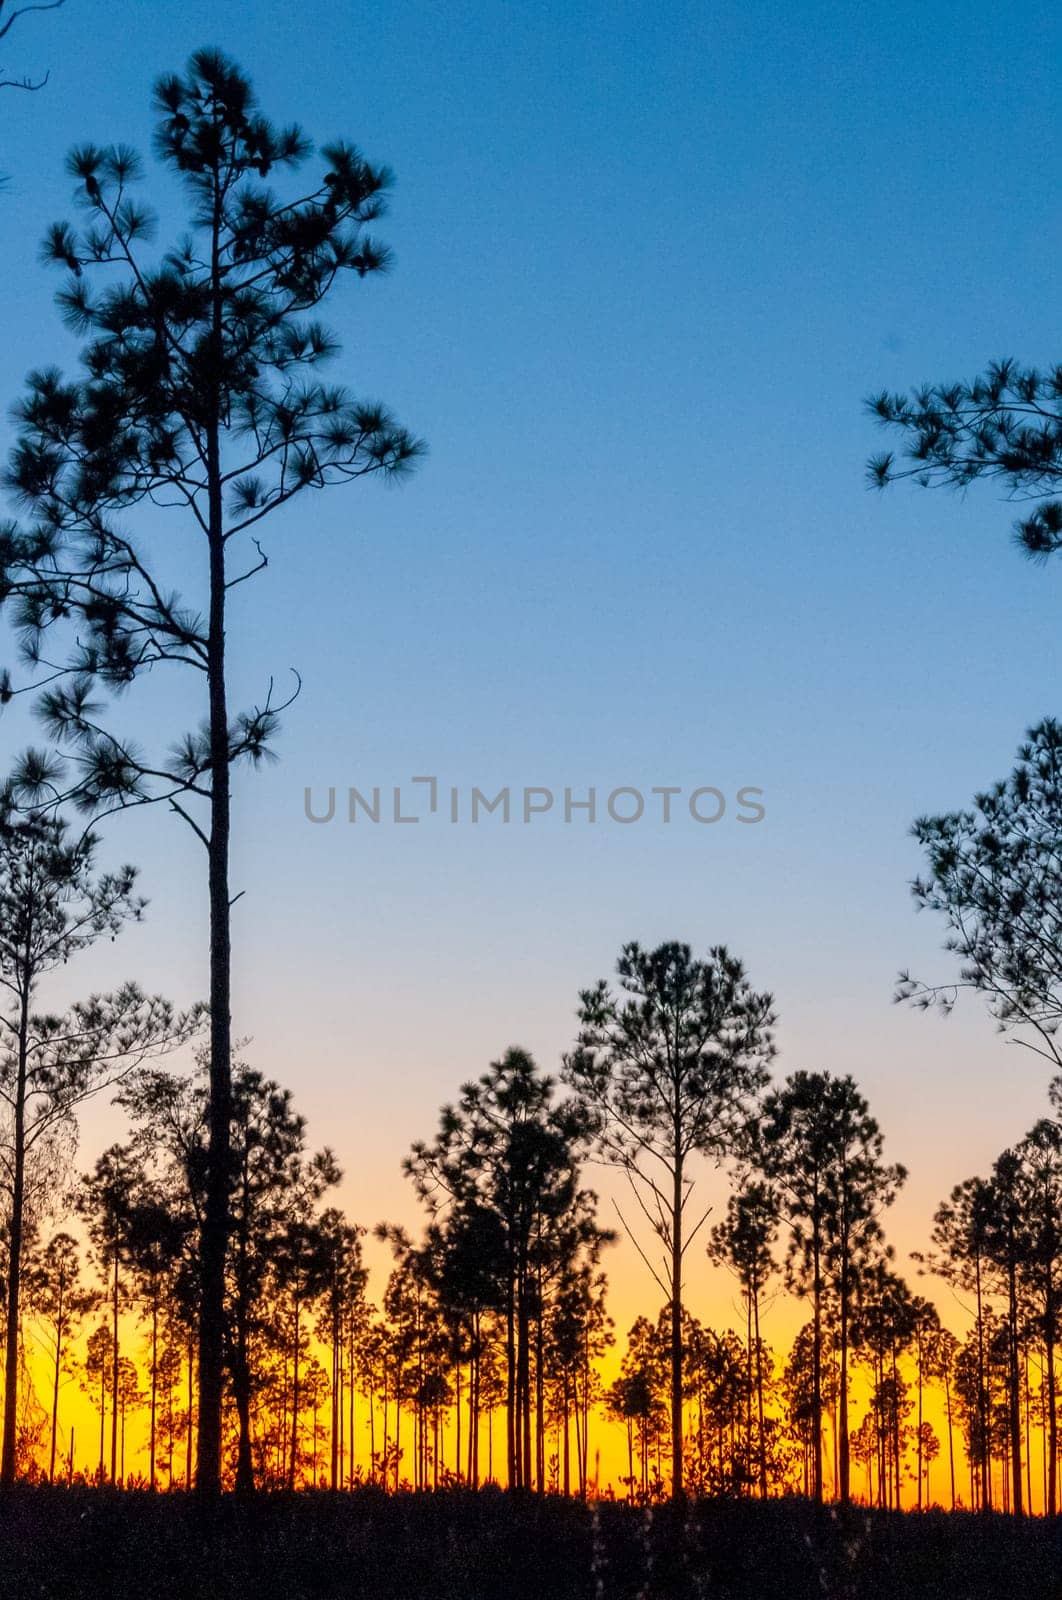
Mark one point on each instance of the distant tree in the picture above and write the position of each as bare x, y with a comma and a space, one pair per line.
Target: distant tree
639, 1400
961, 1257
193, 399
1005, 425
105, 1202
343, 1280
60, 1301
822, 1152
809, 1386
883, 1331
130, 1397
995, 875
667, 1069
717, 1371
272, 1177
467, 1243
53, 906
302, 1261
941, 1355
578, 1332
98, 1368
1039, 1182
506, 1163
743, 1243
925, 1328
156, 1243
928, 1451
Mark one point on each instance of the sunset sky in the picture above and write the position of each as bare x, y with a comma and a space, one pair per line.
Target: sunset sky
650, 259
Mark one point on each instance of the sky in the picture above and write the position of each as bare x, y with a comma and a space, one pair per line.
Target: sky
650, 260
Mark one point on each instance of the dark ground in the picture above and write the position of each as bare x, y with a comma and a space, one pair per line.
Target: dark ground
59, 1544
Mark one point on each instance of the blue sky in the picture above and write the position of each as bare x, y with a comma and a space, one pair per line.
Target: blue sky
650, 259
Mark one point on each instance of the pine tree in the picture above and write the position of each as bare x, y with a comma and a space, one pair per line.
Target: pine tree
197, 395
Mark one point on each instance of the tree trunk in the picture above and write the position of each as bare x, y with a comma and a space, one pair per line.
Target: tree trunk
190, 1423
982, 1395
114, 1368
294, 1403
214, 1233
1014, 1381
55, 1378
676, 1324
8, 1456
1052, 1420
154, 1372
816, 1375
759, 1397
843, 1445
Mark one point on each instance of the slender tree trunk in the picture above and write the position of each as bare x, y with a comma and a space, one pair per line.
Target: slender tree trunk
8, 1456
337, 1406
294, 1403
190, 1424
984, 1453
842, 1440
523, 1379
540, 1398
215, 1228
103, 1415
567, 1442
239, 1357
241, 1394
154, 1373
510, 1384
1052, 1418
896, 1452
1014, 1381
816, 1371
951, 1433
750, 1385
676, 1320
398, 1422
457, 1409
759, 1397
55, 1379
114, 1368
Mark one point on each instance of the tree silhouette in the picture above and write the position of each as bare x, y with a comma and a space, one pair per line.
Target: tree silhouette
156, 1243
822, 1151
995, 875
193, 399
53, 907
1005, 425
105, 1202
343, 1279
639, 1399
941, 1354
99, 1364
58, 1299
883, 1329
667, 1070
504, 1169
961, 1257
1040, 1202
273, 1184
925, 1326
743, 1243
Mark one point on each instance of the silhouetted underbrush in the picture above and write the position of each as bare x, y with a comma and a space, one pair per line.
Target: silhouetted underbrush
65, 1544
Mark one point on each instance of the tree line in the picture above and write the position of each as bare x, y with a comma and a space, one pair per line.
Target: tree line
484, 1359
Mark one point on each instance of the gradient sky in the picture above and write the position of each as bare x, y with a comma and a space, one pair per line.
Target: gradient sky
650, 259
